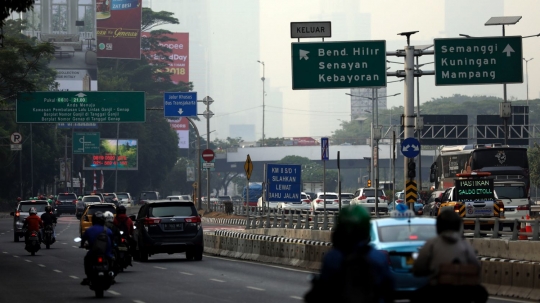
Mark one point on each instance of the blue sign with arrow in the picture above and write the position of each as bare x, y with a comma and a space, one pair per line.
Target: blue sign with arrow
410, 147
180, 104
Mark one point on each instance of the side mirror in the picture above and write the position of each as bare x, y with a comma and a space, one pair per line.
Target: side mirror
132, 217
12, 214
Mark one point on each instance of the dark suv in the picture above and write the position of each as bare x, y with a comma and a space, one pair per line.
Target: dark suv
66, 203
165, 226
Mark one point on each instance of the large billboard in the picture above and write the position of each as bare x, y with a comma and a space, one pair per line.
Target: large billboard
70, 26
182, 129
107, 158
119, 29
178, 64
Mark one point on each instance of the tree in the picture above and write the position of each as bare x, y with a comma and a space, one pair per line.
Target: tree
7, 7
534, 164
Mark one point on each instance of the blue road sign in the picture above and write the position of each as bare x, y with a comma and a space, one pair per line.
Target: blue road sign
324, 149
284, 182
410, 147
177, 104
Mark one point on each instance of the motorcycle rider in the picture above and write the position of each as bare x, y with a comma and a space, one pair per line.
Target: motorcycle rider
351, 242
90, 235
109, 218
125, 224
448, 248
32, 223
49, 218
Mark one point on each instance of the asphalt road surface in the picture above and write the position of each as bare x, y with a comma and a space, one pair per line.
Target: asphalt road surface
54, 275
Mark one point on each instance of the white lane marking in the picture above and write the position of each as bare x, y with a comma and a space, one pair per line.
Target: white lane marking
138, 301
507, 300
159, 267
216, 280
41, 265
78, 246
74, 277
14, 256
113, 292
27, 260
56, 270
297, 297
186, 273
255, 288
1, 233
5, 252
66, 243
262, 264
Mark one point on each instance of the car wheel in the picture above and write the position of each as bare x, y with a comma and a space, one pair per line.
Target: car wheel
198, 254
189, 254
143, 255
15, 237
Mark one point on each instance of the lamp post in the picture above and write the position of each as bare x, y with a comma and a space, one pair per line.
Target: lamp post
263, 93
208, 114
527, 76
375, 136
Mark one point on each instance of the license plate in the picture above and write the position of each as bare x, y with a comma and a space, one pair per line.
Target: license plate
122, 248
100, 267
174, 226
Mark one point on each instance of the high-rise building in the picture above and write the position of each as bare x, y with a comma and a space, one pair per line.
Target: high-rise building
468, 17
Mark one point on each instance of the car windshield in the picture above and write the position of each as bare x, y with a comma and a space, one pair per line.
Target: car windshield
347, 196
93, 210
64, 197
326, 197
149, 196
371, 193
224, 198
40, 207
177, 210
122, 196
173, 198
510, 192
304, 197
400, 233
91, 199
109, 199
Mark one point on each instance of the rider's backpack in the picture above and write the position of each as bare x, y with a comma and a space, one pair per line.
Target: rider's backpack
101, 243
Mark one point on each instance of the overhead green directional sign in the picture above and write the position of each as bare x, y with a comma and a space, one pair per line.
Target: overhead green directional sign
86, 143
486, 60
322, 65
72, 106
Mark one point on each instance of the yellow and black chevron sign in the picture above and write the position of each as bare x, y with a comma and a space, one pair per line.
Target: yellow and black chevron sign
411, 193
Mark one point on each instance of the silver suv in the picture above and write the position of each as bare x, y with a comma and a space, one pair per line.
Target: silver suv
23, 211
365, 196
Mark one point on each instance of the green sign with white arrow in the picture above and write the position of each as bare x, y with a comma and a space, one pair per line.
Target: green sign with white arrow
485, 60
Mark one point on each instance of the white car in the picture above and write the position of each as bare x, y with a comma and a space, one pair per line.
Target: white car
514, 196
365, 196
330, 199
269, 205
303, 204
124, 199
180, 198
346, 198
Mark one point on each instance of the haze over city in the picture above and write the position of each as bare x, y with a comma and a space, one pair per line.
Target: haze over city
228, 38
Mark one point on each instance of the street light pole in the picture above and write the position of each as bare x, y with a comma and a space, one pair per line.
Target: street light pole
263, 93
208, 114
527, 76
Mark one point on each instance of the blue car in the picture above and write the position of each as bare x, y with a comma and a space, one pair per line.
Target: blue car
401, 238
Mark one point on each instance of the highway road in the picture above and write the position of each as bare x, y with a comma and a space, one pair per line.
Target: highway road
55, 274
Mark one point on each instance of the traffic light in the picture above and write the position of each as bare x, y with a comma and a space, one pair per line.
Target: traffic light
368, 183
411, 169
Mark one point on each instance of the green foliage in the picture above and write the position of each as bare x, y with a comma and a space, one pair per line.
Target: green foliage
9, 6
534, 164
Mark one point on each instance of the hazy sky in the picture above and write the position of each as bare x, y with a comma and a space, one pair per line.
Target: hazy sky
388, 17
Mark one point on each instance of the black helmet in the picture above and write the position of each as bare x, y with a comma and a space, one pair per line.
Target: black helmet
98, 218
448, 220
48, 209
121, 209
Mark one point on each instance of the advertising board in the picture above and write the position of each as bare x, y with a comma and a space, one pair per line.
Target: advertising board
119, 29
178, 58
107, 158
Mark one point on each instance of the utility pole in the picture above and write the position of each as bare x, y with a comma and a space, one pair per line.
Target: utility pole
207, 114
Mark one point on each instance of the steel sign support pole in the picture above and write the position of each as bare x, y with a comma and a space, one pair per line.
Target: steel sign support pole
116, 159
199, 171
207, 147
408, 119
375, 156
419, 130
504, 93
371, 141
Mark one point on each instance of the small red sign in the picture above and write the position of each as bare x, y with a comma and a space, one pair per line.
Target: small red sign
208, 155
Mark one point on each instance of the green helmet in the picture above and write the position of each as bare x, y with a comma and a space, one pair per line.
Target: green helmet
353, 224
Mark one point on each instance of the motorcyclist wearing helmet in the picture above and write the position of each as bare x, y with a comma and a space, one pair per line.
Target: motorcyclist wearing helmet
449, 247
32, 223
49, 218
350, 239
90, 235
122, 221
109, 218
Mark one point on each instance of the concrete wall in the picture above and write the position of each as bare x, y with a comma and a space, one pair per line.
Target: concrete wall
306, 234
506, 249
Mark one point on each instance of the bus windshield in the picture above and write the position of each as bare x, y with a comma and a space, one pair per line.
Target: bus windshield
499, 157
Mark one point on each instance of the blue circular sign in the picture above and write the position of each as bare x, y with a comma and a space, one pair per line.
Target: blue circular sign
410, 147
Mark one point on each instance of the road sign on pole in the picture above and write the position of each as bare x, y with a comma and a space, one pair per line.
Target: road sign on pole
320, 65
180, 104
16, 138
284, 182
86, 143
72, 106
484, 60
324, 149
248, 167
410, 147
208, 155
321, 29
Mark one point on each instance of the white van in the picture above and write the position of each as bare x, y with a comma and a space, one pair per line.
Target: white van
515, 198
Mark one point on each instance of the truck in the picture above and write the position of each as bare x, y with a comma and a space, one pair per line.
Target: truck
255, 191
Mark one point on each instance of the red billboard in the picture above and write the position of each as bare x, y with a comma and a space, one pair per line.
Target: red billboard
178, 56
119, 29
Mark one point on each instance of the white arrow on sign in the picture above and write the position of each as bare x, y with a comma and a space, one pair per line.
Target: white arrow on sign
406, 148
180, 111
415, 147
508, 49
303, 54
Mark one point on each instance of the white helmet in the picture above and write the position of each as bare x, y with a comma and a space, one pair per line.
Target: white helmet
33, 210
109, 217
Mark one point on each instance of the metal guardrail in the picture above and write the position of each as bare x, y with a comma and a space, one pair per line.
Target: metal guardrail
516, 234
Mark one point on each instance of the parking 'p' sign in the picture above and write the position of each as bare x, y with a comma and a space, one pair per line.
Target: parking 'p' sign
16, 138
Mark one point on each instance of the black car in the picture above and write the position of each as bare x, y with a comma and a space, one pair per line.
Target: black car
166, 226
66, 203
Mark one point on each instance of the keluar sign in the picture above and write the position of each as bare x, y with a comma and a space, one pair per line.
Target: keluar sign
109, 159
474, 189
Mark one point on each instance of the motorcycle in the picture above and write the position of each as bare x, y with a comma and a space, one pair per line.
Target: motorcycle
102, 275
48, 238
32, 242
122, 254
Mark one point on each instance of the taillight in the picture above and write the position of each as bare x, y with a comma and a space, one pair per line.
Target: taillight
337, 201
74, 201
58, 202
523, 207
151, 221
319, 201
413, 237
33, 234
383, 197
306, 201
193, 220
457, 207
123, 240
501, 206
362, 197
17, 214
100, 259
387, 256
399, 201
